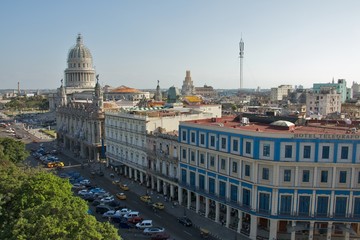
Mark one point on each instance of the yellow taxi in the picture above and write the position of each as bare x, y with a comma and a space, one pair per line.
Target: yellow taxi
121, 196
124, 187
158, 205
116, 182
145, 198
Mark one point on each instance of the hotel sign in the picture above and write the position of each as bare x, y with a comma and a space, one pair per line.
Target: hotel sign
328, 136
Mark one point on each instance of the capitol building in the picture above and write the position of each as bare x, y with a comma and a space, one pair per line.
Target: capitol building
79, 75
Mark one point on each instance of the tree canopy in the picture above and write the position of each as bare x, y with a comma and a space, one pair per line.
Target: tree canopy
35, 204
12, 150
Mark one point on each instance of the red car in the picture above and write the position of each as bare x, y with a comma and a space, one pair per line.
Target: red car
135, 220
160, 236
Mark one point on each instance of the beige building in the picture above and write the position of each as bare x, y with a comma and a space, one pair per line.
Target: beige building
281, 92
137, 146
125, 93
323, 103
206, 91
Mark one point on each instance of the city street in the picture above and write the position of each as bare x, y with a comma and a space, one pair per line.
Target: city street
161, 218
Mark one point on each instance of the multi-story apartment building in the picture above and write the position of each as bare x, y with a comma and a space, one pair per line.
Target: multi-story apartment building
340, 87
138, 147
279, 93
277, 181
323, 102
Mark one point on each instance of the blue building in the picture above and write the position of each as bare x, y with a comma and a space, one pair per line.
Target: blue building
340, 87
272, 180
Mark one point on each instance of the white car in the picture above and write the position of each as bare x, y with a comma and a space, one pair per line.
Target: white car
144, 224
107, 199
123, 211
109, 214
83, 192
78, 186
85, 182
151, 230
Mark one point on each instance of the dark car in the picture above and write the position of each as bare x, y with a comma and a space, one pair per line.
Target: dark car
89, 198
160, 236
102, 209
125, 225
185, 221
116, 205
96, 203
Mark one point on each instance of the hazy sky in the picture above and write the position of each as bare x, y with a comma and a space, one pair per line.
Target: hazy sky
137, 42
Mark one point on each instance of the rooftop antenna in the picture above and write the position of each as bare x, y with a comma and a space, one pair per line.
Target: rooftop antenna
241, 56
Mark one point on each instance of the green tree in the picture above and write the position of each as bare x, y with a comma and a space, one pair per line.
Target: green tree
38, 205
13, 150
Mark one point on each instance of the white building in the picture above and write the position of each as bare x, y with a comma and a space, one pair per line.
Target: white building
323, 103
281, 92
128, 135
79, 75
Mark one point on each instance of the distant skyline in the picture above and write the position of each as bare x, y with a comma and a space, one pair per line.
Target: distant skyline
136, 43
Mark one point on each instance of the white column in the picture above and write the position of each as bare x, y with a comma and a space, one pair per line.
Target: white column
152, 183
171, 191
329, 231
217, 211
165, 188
158, 185
240, 221
180, 195
207, 207
188, 199
273, 229
274, 201
347, 234
293, 233
253, 227
228, 211
197, 202
313, 203
332, 203
311, 230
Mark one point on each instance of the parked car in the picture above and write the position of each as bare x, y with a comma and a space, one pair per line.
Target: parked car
158, 205
85, 182
78, 186
135, 220
108, 214
123, 211
152, 230
144, 224
121, 196
102, 209
185, 221
107, 199
89, 197
160, 236
116, 205
96, 203
125, 225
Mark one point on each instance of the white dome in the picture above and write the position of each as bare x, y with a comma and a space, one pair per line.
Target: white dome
79, 50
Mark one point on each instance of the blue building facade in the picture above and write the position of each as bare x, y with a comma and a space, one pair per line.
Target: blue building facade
273, 183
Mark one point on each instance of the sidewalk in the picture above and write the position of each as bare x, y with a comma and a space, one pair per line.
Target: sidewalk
215, 229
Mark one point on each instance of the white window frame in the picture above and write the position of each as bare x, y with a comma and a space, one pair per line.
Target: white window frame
349, 159
331, 152
293, 153
251, 149
271, 144
312, 152
232, 144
